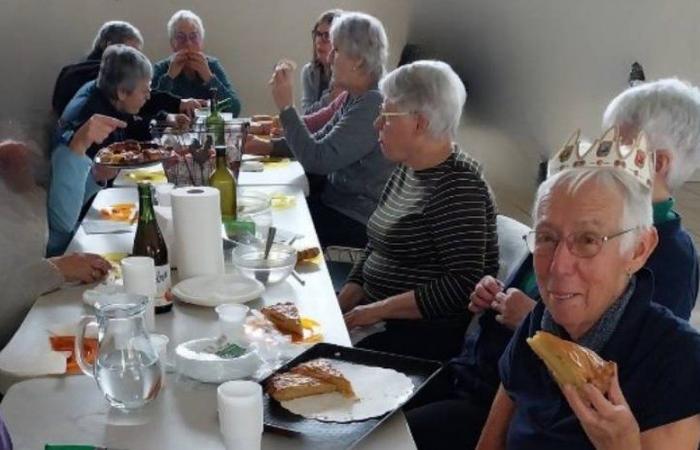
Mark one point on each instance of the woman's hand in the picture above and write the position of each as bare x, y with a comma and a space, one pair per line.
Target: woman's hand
364, 315
198, 62
350, 296
257, 146
484, 294
189, 105
94, 131
608, 422
83, 267
282, 85
512, 307
177, 63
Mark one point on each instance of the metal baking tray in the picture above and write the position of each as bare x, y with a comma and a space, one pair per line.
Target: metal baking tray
314, 434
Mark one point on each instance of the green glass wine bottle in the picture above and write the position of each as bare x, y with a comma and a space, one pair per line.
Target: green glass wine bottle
215, 122
149, 242
222, 179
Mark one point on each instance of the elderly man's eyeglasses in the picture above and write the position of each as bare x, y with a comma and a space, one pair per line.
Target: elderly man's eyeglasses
181, 38
584, 244
325, 36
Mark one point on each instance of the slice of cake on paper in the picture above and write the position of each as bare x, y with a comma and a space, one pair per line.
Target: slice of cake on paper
288, 386
322, 369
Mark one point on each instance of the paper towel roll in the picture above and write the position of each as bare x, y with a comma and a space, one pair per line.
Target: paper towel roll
197, 224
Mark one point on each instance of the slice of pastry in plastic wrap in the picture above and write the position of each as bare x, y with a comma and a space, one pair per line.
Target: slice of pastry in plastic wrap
570, 363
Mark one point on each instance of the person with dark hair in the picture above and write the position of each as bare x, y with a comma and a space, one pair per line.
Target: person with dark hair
316, 80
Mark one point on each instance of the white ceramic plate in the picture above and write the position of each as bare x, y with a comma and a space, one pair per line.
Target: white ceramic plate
214, 290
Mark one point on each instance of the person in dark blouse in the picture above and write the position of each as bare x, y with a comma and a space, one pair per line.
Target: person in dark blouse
74, 76
592, 237
433, 234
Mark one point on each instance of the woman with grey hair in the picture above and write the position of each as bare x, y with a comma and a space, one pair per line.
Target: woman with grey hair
73, 77
105, 111
188, 72
346, 150
433, 234
592, 236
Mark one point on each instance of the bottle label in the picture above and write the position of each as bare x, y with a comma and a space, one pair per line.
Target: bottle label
162, 284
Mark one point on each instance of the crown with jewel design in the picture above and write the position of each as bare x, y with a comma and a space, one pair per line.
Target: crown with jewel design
607, 151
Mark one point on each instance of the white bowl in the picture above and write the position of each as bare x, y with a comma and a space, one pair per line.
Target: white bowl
190, 360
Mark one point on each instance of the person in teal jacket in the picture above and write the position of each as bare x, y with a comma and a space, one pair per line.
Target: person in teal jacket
188, 72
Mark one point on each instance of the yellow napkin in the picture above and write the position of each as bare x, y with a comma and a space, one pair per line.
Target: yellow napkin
274, 163
282, 201
147, 175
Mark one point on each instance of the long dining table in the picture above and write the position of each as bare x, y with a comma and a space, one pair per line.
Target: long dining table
50, 408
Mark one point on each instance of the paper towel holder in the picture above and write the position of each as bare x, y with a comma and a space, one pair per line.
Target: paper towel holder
195, 191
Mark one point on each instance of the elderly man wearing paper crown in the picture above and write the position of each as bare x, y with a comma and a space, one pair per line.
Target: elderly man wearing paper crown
669, 112
593, 233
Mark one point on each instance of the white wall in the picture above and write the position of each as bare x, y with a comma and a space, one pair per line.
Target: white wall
537, 69
248, 36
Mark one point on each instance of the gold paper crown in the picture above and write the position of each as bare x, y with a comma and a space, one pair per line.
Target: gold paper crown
608, 151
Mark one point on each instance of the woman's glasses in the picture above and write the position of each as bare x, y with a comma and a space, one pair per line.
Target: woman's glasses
584, 244
325, 36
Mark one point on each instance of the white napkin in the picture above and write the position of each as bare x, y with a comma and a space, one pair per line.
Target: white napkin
92, 226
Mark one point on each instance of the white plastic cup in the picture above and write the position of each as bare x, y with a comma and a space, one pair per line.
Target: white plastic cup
163, 193
232, 320
139, 274
240, 414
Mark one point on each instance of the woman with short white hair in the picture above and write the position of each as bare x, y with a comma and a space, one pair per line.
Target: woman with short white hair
668, 111
592, 236
104, 111
433, 234
346, 150
188, 72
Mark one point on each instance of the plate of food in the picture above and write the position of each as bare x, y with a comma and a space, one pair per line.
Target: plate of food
332, 396
132, 154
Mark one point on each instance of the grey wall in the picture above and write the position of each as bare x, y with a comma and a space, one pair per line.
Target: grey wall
538, 69
248, 36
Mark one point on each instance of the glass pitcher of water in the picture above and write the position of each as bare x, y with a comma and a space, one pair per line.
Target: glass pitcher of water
126, 367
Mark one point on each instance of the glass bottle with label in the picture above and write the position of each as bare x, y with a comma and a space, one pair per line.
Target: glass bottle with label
215, 122
149, 242
222, 179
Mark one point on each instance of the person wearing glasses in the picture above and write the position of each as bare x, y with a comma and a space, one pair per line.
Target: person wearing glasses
75, 76
433, 234
593, 234
346, 149
318, 90
669, 113
188, 72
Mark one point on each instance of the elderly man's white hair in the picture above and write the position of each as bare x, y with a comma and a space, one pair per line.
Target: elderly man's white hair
668, 111
185, 15
362, 36
636, 199
430, 88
